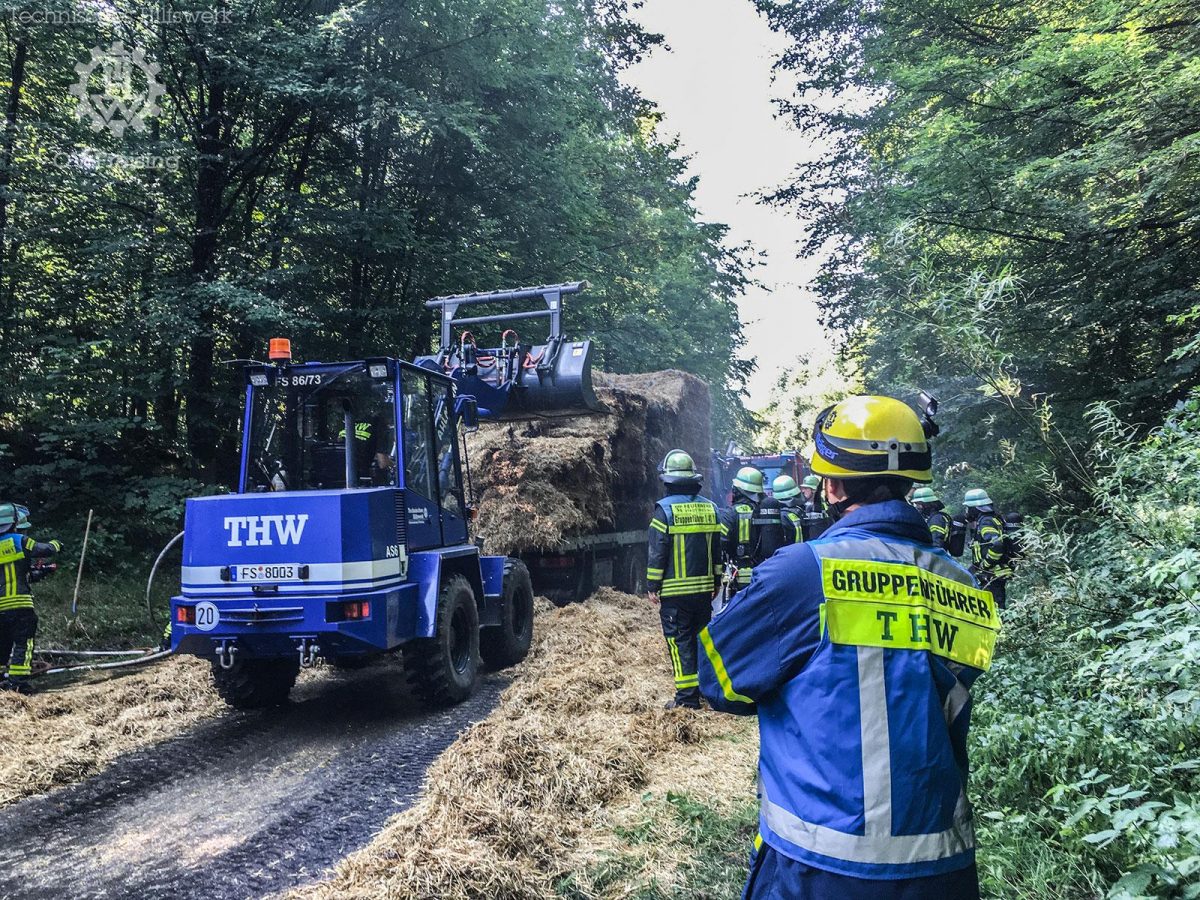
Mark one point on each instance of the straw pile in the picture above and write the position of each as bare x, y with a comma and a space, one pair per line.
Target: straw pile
541, 481
61, 737
528, 795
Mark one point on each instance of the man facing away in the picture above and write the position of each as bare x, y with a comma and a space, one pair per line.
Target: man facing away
684, 562
857, 651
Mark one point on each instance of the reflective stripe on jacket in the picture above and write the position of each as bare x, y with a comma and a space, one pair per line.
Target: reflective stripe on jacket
793, 524
857, 651
15, 551
939, 527
987, 550
683, 549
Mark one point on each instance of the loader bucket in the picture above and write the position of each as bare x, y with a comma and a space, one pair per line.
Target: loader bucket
514, 381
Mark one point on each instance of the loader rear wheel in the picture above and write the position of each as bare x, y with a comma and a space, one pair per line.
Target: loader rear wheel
256, 683
508, 643
444, 669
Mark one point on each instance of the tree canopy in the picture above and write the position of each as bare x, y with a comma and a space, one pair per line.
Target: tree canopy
1009, 208
317, 169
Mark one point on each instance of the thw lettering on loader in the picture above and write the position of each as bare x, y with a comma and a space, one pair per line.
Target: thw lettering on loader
256, 531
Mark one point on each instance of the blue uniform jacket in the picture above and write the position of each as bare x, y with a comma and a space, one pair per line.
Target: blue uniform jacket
863, 760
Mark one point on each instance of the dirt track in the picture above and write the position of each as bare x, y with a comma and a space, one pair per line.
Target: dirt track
247, 805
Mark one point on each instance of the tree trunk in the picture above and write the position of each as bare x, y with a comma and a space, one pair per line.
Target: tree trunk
202, 431
12, 109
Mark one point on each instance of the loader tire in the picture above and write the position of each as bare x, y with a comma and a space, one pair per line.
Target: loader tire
444, 669
508, 643
256, 683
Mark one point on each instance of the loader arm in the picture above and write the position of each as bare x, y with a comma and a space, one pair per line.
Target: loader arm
516, 380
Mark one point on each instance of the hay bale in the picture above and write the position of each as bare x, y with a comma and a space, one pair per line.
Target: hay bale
542, 481
524, 798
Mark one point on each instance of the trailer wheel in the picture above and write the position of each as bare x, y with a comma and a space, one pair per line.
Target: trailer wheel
631, 576
583, 578
508, 643
443, 669
256, 683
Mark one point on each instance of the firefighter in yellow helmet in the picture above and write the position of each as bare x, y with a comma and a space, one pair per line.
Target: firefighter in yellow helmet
857, 651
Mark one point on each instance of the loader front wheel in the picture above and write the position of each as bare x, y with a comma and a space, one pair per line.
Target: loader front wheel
444, 669
508, 643
256, 683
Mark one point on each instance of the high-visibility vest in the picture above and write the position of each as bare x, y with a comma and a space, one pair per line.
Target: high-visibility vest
683, 546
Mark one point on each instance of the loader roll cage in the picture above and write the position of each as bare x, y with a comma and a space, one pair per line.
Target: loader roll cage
322, 426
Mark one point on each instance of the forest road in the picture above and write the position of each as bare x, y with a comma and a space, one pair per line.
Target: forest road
246, 805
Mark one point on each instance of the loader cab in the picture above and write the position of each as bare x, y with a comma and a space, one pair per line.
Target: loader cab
371, 424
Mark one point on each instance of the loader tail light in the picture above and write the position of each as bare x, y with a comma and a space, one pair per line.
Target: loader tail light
349, 611
185, 615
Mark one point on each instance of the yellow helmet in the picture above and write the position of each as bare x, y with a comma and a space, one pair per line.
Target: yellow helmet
863, 437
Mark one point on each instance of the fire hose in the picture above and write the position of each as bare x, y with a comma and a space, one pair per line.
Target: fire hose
141, 657
153, 570
148, 656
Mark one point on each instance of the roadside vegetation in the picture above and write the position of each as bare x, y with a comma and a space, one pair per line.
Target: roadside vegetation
1086, 738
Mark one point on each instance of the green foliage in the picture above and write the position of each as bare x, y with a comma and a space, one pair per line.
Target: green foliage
812, 384
1086, 745
111, 614
318, 170
717, 847
1030, 167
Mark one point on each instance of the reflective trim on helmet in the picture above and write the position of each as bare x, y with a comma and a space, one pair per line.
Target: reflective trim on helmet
879, 462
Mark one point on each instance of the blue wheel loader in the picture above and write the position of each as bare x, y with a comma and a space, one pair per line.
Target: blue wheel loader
347, 538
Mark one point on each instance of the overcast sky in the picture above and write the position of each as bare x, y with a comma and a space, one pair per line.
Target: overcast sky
714, 88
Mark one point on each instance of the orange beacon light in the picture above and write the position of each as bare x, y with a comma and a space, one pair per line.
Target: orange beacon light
281, 349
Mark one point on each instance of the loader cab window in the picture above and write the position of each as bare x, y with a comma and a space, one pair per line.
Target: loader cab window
431, 468
449, 486
321, 427
417, 429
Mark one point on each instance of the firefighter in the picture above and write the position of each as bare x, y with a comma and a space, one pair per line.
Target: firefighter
810, 490
769, 519
934, 510
684, 553
18, 621
989, 556
860, 678
741, 524
816, 520
785, 491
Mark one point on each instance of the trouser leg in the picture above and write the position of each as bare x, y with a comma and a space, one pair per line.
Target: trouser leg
999, 589
682, 620
24, 629
6, 641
